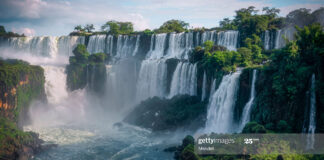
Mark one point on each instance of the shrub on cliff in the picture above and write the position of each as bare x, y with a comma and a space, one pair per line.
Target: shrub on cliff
168, 114
85, 69
20, 83
254, 127
14, 142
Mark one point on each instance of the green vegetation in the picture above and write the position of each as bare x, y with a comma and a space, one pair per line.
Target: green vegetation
4, 33
254, 127
115, 27
85, 69
168, 114
13, 140
172, 26
186, 150
83, 31
21, 83
285, 80
249, 23
215, 59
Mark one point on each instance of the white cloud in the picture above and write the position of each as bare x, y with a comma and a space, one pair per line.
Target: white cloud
25, 31
21, 8
57, 17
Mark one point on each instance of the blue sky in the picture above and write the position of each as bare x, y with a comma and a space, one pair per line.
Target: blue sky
58, 17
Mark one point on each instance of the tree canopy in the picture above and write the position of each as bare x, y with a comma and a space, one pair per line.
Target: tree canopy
173, 26
116, 27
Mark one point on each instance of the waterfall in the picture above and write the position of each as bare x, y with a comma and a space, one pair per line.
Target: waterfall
203, 92
312, 116
282, 34
126, 45
212, 89
165, 45
55, 83
109, 44
248, 106
96, 44
157, 46
221, 106
152, 79
277, 41
184, 79
228, 39
38, 46
48, 46
266, 41
208, 35
66, 44
121, 83
179, 45
136, 44
63, 107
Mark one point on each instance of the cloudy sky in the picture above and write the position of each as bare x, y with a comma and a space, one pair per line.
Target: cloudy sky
58, 17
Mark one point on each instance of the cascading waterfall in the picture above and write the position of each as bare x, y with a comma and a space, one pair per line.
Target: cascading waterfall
66, 44
266, 41
44, 46
312, 116
157, 46
228, 39
151, 79
38, 46
96, 44
212, 89
184, 79
136, 45
127, 45
221, 105
172, 45
179, 45
281, 35
248, 106
203, 92
55, 84
277, 42
109, 44
63, 107
209, 35
121, 80
127, 83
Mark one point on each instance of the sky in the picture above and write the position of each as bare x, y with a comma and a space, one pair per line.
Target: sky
59, 17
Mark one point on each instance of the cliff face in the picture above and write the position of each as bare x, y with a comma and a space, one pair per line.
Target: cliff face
86, 70
20, 84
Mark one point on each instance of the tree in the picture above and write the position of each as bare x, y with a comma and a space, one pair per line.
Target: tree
272, 12
79, 28
208, 45
173, 26
226, 23
115, 27
89, 28
246, 54
81, 54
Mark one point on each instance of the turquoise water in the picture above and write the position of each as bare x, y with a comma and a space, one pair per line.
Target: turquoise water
127, 142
